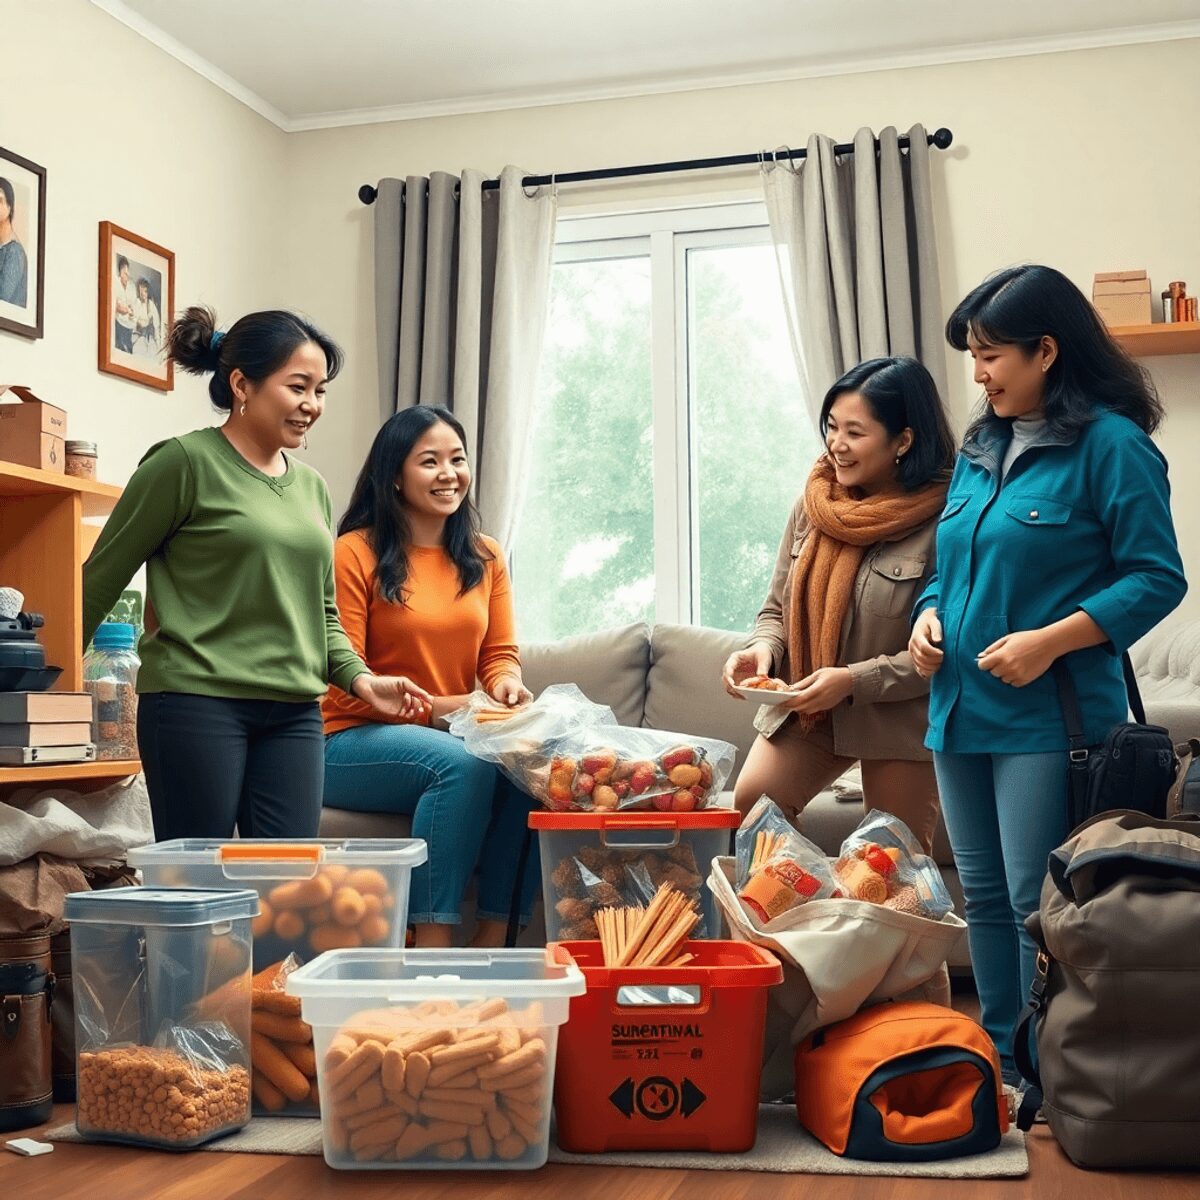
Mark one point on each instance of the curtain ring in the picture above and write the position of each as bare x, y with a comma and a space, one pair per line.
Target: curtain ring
554, 185
762, 163
787, 162
528, 194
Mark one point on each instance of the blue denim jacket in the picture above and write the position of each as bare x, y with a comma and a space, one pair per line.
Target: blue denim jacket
1082, 523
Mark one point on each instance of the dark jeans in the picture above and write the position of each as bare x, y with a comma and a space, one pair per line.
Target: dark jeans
212, 764
123, 337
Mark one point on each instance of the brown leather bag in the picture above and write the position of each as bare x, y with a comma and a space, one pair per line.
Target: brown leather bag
1114, 1002
26, 994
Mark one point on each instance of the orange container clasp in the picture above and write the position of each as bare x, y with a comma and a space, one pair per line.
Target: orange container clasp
278, 860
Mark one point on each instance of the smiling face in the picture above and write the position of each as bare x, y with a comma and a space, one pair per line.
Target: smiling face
435, 476
863, 452
283, 407
1014, 380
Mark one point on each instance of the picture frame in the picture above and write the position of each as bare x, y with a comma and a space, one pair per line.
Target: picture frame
22, 245
135, 307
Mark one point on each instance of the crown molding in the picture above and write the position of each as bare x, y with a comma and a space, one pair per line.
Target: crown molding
177, 50
533, 98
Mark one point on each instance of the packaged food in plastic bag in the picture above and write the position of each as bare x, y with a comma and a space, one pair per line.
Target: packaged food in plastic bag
882, 862
571, 755
778, 868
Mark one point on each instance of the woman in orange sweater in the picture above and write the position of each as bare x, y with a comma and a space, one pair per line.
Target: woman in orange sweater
419, 585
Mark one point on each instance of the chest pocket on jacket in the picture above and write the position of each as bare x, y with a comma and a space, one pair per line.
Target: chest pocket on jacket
1035, 511
891, 585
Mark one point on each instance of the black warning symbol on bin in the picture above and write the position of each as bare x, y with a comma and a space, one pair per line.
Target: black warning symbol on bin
657, 1098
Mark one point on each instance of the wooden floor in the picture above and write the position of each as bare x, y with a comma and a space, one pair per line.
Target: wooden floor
116, 1173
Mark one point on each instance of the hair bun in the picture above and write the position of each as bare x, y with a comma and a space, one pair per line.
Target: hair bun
192, 340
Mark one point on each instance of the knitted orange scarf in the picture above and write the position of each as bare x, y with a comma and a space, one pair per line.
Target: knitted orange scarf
842, 527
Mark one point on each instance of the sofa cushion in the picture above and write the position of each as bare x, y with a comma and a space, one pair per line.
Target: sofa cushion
1167, 663
609, 667
684, 692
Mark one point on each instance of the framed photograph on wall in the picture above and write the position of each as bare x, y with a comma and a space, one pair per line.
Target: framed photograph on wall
22, 244
137, 300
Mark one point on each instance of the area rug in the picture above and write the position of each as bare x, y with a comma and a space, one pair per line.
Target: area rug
782, 1147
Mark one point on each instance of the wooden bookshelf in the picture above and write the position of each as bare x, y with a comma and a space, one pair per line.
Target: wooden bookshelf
43, 543
1144, 341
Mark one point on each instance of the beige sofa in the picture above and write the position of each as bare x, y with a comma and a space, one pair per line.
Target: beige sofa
668, 677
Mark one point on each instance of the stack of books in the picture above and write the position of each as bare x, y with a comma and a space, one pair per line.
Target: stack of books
45, 727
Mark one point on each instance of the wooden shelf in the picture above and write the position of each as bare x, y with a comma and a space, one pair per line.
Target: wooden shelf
1176, 337
98, 499
117, 768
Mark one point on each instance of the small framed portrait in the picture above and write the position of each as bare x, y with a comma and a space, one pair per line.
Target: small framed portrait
137, 300
22, 244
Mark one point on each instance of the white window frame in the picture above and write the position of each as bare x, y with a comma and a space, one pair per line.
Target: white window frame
666, 236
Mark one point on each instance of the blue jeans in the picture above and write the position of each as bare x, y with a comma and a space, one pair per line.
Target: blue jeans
1004, 813
464, 810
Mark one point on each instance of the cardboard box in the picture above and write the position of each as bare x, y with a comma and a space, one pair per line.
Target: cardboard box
32, 432
1122, 297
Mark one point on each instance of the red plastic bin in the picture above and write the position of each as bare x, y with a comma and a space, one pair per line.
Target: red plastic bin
641, 1067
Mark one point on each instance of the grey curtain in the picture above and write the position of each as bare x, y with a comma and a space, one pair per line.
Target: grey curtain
462, 283
857, 257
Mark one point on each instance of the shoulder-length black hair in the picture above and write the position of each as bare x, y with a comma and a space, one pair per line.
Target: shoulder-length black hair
376, 506
257, 344
902, 395
1021, 305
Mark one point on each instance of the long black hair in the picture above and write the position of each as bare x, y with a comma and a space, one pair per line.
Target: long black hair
901, 394
258, 345
1092, 373
377, 507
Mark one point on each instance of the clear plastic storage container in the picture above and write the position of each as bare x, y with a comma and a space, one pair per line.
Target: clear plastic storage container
600, 860
316, 894
110, 671
162, 1013
436, 1059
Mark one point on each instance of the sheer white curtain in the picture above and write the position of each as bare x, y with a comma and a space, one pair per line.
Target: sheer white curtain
462, 285
857, 257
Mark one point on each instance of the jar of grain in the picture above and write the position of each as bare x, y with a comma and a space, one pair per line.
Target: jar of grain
81, 459
110, 673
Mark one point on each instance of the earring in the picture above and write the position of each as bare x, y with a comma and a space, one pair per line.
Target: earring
242, 410
898, 458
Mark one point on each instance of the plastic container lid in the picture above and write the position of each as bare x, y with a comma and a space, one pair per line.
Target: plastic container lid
159, 906
404, 976
275, 858
705, 818
716, 963
114, 635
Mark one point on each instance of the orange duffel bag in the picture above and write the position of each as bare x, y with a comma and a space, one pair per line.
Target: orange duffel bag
901, 1082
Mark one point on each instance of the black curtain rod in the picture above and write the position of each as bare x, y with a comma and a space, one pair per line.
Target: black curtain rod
941, 138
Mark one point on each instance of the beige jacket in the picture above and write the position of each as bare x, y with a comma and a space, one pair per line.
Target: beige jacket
886, 715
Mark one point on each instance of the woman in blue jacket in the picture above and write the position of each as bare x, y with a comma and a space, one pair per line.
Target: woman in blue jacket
1056, 539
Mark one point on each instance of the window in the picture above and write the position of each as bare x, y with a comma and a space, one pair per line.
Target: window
669, 437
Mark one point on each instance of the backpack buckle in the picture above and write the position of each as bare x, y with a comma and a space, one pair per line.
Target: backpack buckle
1079, 756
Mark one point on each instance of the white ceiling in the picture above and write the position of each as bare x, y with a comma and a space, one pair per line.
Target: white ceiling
309, 64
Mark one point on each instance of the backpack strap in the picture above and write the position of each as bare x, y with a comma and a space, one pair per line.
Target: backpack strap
1024, 1039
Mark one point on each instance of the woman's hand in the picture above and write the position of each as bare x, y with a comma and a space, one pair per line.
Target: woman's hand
510, 691
393, 695
925, 645
1019, 658
756, 659
822, 691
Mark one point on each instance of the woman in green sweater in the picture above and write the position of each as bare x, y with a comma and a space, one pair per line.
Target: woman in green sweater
242, 634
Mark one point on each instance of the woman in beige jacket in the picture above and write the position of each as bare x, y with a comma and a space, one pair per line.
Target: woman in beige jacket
835, 624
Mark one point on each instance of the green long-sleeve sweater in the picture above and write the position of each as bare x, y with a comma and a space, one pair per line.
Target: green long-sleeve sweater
239, 571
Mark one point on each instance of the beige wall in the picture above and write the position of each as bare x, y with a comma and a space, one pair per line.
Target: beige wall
129, 135
1074, 159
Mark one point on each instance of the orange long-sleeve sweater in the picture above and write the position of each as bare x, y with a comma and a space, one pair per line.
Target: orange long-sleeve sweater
440, 640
